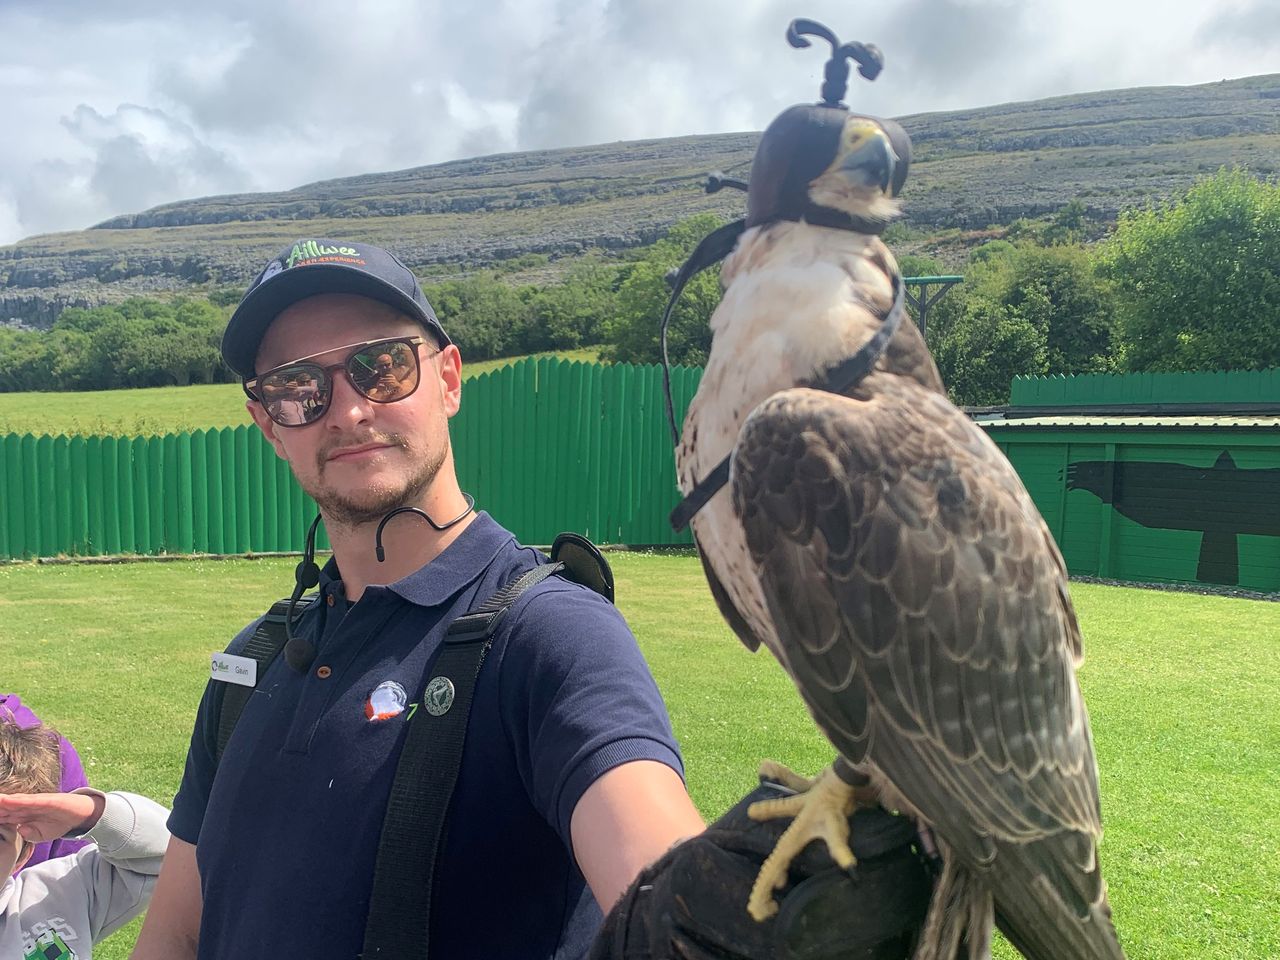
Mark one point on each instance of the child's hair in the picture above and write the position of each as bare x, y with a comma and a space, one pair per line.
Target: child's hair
29, 760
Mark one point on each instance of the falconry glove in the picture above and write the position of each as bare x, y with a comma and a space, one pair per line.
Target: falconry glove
692, 903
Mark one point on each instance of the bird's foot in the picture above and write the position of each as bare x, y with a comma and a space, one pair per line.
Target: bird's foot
780, 773
820, 812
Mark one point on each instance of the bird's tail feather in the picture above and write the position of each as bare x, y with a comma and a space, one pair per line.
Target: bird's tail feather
1033, 911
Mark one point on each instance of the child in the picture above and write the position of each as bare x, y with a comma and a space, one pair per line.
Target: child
12, 708
61, 908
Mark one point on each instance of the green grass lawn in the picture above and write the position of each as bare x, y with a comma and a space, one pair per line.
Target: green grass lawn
1182, 690
159, 410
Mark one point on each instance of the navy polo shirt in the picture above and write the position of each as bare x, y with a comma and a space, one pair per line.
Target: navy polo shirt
287, 831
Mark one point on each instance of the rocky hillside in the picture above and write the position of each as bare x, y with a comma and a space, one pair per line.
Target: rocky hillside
972, 168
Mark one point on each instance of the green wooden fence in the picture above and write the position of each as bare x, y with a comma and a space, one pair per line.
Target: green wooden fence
1223, 386
547, 445
544, 445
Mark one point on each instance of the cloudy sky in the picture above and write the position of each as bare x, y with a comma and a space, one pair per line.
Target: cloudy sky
112, 106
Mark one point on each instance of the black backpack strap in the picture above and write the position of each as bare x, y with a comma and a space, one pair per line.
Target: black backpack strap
264, 645
413, 828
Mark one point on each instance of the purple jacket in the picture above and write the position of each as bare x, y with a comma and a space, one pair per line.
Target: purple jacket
12, 709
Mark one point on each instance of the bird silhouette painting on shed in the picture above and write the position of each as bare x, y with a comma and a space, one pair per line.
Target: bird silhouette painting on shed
1221, 502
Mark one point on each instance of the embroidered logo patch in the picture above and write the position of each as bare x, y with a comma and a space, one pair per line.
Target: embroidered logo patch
387, 700
309, 251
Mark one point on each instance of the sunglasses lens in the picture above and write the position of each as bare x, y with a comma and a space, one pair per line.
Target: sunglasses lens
385, 371
294, 396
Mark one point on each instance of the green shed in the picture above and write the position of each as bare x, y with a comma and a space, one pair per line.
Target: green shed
1163, 478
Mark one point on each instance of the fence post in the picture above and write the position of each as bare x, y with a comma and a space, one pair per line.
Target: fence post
97, 542
79, 457
200, 510
12, 505
186, 495
5, 551
139, 461
124, 495
156, 495
30, 496
240, 480
46, 496
214, 496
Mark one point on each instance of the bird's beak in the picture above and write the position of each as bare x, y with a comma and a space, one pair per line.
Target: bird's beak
868, 161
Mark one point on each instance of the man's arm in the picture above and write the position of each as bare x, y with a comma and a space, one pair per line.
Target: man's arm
626, 819
172, 927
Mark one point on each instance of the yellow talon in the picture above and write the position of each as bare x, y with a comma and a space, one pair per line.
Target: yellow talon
821, 813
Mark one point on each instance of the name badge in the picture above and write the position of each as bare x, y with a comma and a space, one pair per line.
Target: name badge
232, 669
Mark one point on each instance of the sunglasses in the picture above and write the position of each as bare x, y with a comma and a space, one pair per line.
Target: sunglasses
298, 393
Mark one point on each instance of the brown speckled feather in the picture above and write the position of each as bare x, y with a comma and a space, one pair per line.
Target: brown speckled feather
921, 606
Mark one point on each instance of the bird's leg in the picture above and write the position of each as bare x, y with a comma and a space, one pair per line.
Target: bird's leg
821, 811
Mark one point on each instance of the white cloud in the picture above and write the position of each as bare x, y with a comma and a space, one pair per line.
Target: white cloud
1254, 26
10, 225
150, 102
142, 157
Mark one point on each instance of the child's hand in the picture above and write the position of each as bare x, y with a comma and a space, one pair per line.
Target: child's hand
48, 816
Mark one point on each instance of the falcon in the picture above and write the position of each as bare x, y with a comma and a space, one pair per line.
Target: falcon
859, 526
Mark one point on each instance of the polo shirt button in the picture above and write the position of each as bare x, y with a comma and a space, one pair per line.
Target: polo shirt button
323, 672
330, 599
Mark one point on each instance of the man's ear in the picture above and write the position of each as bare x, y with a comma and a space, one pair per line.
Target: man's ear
266, 425
450, 361
28, 848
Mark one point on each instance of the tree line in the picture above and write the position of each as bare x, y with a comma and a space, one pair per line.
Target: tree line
1189, 285
137, 343
143, 342
1192, 284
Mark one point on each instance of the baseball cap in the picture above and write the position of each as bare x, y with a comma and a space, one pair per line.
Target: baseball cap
309, 267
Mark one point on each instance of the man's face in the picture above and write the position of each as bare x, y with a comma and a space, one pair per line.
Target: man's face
361, 459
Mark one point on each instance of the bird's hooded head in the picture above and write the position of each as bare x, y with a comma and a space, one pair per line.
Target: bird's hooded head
823, 164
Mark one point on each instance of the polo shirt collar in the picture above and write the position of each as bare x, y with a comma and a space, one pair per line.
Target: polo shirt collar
460, 563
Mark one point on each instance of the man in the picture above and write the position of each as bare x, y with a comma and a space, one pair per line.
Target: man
307, 391
570, 781
389, 385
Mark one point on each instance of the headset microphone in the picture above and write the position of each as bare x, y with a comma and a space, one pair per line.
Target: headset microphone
300, 652
439, 527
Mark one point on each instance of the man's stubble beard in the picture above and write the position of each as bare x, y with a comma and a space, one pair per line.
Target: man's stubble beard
346, 511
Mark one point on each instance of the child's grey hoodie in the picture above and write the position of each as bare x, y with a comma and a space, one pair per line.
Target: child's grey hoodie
58, 909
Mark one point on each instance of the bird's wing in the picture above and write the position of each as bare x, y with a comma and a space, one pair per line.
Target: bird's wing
922, 608
728, 609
